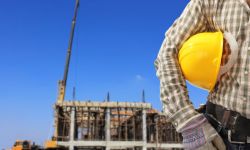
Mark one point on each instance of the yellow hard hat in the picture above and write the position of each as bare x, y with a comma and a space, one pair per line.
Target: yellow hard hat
200, 58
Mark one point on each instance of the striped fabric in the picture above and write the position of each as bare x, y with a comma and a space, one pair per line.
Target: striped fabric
233, 89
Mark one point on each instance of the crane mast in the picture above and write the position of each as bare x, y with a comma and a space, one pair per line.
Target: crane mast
62, 83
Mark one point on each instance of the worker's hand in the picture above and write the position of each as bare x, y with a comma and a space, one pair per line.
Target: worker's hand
199, 134
216, 144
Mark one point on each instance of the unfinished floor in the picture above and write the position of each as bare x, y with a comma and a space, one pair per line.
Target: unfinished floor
113, 125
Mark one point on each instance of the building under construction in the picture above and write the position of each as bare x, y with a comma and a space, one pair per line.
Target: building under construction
112, 125
108, 125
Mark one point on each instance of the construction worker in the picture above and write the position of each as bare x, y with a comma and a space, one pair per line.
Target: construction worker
226, 123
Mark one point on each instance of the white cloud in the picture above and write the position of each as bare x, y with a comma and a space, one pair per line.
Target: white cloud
139, 77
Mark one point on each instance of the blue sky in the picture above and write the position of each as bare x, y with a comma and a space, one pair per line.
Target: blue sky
115, 45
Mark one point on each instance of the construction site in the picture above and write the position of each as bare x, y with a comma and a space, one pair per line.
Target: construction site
112, 125
107, 125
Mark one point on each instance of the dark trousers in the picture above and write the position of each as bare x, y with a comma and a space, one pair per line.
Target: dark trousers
231, 146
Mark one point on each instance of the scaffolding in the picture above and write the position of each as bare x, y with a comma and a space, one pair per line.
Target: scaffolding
113, 125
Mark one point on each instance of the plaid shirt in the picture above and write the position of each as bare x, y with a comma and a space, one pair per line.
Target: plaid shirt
233, 90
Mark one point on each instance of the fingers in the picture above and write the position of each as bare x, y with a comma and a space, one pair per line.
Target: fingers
207, 146
218, 143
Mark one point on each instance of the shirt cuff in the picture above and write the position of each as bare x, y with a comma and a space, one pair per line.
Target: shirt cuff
183, 116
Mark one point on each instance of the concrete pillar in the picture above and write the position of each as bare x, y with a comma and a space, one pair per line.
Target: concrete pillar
72, 128
56, 111
144, 129
107, 128
157, 130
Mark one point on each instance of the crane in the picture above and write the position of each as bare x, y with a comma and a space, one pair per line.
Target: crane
62, 83
52, 144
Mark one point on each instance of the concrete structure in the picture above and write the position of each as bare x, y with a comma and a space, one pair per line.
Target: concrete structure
112, 125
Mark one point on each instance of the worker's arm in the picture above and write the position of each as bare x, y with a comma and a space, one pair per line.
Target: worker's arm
173, 91
195, 129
